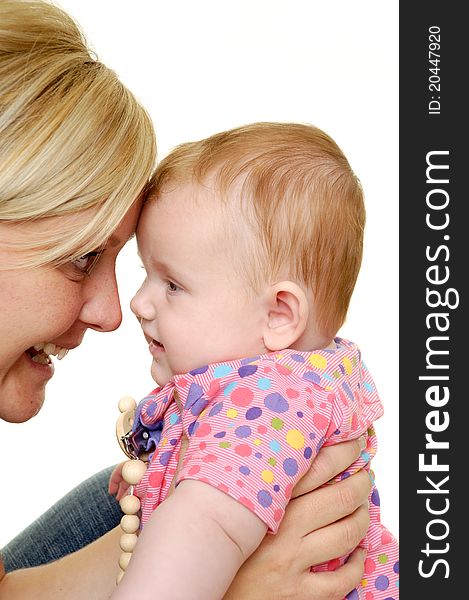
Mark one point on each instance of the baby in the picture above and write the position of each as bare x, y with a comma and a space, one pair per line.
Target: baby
252, 242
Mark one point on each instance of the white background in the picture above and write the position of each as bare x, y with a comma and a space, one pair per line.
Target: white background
201, 67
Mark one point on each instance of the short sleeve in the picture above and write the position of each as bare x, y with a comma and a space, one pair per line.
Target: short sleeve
257, 434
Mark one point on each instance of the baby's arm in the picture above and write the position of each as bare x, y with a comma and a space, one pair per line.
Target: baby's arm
192, 546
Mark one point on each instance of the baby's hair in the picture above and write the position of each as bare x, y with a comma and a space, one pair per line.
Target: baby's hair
299, 193
72, 136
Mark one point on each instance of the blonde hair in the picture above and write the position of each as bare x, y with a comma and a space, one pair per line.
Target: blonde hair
72, 136
301, 196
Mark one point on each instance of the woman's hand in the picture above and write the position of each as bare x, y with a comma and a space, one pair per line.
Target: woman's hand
319, 525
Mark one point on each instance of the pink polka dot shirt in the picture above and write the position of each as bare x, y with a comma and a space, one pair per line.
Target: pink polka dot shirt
255, 425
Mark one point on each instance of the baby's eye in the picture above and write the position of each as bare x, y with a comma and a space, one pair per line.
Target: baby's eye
85, 263
172, 287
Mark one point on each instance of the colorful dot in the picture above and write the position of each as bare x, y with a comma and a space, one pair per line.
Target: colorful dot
264, 498
173, 419
396, 567
272, 462
382, 582
258, 455
231, 413
298, 358
229, 388
221, 371
383, 559
291, 393
277, 424
276, 402
242, 396
264, 383
318, 361
312, 376
262, 429
308, 452
203, 430
220, 434
348, 391
347, 365
295, 439
320, 421
150, 409
224, 445
164, 458
194, 470
243, 450
370, 566
253, 413
155, 479
353, 595
199, 370
290, 466
275, 446
244, 470
243, 431
299, 414
267, 476
247, 370
375, 497
257, 442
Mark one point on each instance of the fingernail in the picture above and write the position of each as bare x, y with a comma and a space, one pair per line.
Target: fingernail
362, 442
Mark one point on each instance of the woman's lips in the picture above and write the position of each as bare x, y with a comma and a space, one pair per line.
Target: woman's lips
40, 362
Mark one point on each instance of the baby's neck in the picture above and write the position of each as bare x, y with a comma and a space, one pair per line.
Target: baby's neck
312, 341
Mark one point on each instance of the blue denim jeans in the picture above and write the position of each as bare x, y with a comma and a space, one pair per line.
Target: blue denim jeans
82, 516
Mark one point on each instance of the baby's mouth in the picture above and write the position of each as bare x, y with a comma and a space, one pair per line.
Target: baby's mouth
40, 353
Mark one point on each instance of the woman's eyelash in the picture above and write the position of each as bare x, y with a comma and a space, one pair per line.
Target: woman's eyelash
85, 263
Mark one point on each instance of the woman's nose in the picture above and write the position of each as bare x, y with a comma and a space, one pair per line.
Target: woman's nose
102, 309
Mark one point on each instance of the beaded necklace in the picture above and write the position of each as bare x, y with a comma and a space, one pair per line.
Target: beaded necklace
132, 472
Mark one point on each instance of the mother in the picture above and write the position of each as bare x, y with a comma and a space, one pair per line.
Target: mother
76, 152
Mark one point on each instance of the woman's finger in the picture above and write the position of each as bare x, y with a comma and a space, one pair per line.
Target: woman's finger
329, 462
334, 585
338, 539
330, 503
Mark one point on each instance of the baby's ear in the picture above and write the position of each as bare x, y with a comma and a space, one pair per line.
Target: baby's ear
288, 312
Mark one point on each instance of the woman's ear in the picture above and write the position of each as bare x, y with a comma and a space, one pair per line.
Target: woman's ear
288, 312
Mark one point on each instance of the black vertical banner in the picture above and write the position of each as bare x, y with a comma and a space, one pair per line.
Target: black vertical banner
434, 238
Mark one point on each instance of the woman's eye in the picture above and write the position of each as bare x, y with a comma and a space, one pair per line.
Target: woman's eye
86, 262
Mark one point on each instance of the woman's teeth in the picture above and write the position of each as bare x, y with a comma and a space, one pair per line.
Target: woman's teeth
45, 350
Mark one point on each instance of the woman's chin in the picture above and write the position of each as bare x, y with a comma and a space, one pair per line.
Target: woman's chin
21, 398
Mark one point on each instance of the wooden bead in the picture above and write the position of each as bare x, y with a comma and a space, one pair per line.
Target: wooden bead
130, 505
127, 403
119, 577
124, 560
130, 523
133, 471
128, 541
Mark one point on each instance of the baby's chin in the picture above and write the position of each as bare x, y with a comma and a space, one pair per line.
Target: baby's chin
159, 374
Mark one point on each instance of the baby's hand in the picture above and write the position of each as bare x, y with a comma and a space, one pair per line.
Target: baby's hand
117, 485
